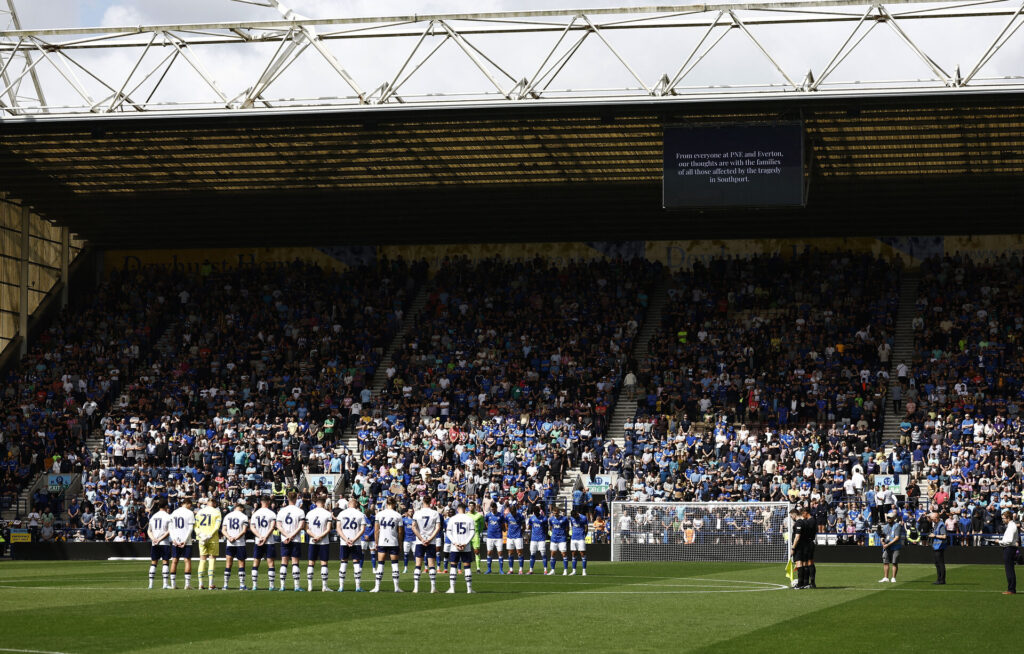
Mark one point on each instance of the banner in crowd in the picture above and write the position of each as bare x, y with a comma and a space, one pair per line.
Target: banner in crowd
601, 483
682, 254
21, 536
895, 483
58, 483
328, 480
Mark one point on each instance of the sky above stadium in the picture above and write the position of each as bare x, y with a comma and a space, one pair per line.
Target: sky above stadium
797, 50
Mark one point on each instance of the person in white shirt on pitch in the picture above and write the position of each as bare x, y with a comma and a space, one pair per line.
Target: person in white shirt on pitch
265, 543
182, 521
426, 523
159, 535
1010, 542
460, 531
234, 527
351, 524
388, 535
290, 520
318, 528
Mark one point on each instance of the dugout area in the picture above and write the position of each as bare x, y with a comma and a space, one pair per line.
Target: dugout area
928, 163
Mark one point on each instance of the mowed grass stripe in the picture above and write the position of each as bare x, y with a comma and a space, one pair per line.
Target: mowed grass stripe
648, 607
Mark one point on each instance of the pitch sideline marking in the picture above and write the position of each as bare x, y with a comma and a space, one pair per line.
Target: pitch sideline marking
29, 651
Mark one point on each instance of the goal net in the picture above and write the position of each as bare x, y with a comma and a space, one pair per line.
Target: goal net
700, 531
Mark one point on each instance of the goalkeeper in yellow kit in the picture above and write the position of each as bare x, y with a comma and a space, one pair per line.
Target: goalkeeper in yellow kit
208, 535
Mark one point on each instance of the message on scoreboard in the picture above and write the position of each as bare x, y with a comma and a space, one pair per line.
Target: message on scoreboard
733, 166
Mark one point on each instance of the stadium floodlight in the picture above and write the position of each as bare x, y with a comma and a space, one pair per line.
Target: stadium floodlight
700, 531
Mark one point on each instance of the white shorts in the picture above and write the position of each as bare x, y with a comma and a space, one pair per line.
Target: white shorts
538, 546
558, 547
369, 545
515, 544
447, 547
408, 547
494, 544
578, 546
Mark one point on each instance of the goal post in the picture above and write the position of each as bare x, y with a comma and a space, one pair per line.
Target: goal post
754, 532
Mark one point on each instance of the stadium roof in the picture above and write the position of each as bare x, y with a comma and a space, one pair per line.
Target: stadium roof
950, 162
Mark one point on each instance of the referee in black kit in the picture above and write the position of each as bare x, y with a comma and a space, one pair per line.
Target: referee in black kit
803, 548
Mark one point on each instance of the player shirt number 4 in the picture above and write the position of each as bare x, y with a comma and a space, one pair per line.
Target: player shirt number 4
388, 522
461, 529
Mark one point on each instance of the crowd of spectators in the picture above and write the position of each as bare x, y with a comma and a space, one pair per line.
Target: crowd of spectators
767, 381
75, 369
960, 448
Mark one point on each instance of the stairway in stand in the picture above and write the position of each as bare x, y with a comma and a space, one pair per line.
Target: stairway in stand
380, 376
902, 350
625, 408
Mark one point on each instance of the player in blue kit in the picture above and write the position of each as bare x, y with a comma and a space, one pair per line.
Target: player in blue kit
578, 540
409, 544
369, 541
514, 536
538, 526
559, 526
495, 523
447, 541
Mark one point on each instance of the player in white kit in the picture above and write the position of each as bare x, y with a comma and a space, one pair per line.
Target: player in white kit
182, 522
318, 528
388, 534
262, 527
234, 527
351, 524
159, 535
426, 524
290, 520
460, 531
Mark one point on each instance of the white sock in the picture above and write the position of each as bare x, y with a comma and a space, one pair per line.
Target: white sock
163, 571
152, 574
433, 578
394, 573
357, 572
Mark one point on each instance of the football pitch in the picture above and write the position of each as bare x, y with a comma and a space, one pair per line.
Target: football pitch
72, 607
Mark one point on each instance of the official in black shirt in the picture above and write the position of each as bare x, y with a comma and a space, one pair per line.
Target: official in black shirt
808, 533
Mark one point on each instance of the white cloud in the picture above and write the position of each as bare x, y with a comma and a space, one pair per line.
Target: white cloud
119, 15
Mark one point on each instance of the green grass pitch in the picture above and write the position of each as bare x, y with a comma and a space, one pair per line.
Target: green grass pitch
76, 607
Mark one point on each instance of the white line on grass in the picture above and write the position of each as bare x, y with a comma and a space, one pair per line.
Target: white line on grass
29, 651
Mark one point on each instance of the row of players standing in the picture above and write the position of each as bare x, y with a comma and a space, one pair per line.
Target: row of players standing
278, 535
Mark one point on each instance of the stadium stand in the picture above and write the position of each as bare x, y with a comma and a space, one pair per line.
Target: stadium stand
767, 379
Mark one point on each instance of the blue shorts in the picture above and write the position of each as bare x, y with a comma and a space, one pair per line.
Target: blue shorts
319, 552
236, 552
265, 551
291, 550
426, 551
159, 552
352, 553
461, 557
181, 552
393, 550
